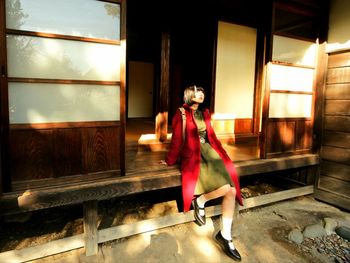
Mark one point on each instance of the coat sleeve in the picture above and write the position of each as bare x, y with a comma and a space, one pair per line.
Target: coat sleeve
176, 140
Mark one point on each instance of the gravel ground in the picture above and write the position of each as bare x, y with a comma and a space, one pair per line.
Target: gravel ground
336, 248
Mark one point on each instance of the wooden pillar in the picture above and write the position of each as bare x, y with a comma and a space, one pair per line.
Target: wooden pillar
163, 103
122, 86
90, 227
5, 180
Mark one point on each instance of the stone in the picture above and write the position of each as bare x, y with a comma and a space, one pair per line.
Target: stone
296, 236
313, 231
344, 232
329, 225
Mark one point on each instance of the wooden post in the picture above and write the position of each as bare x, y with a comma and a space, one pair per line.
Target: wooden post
122, 86
5, 180
162, 116
90, 227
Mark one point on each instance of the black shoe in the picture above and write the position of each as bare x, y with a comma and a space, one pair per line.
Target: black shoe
224, 243
200, 220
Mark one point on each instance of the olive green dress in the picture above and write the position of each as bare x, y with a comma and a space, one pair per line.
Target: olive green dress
213, 173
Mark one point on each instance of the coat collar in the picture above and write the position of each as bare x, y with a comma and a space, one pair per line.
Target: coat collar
188, 108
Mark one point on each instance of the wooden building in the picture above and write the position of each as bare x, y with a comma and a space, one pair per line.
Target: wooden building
276, 75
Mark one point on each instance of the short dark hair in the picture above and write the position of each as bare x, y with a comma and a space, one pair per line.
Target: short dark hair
189, 93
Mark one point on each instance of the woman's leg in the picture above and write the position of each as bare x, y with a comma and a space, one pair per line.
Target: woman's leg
221, 191
228, 203
228, 208
224, 237
200, 201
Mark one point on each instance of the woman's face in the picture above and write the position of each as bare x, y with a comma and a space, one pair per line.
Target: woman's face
198, 96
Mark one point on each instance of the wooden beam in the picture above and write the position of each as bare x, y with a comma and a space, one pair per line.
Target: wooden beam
163, 107
98, 190
113, 233
123, 73
276, 197
276, 164
4, 107
320, 89
304, 10
292, 26
44, 250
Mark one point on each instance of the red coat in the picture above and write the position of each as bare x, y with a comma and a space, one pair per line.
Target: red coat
190, 154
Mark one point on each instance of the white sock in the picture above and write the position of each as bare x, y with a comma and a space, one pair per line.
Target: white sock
226, 227
201, 201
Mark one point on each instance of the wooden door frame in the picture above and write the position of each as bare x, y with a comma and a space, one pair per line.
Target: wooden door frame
123, 40
4, 111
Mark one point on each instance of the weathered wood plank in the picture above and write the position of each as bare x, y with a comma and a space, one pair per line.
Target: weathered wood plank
338, 92
332, 198
338, 139
44, 250
334, 185
338, 75
335, 154
90, 227
336, 170
62, 181
276, 197
339, 60
337, 107
320, 86
275, 164
135, 182
98, 190
337, 123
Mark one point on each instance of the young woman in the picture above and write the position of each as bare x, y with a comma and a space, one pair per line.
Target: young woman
207, 171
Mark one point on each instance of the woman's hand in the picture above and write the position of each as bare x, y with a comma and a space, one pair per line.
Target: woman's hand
162, 162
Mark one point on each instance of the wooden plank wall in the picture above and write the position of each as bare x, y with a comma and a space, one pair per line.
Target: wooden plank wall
56, 152
334, 179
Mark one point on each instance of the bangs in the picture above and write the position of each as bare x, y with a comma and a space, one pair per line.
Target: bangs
189, 93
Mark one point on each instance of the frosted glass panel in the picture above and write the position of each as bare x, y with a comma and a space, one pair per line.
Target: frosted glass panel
42, 103
291, 78
284, 105
35, 57
86, 18
294, 51
235, 70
